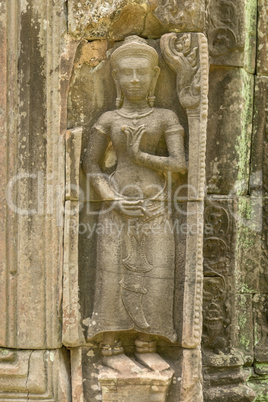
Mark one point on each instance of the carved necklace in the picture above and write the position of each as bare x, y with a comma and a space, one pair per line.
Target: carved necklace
135, 116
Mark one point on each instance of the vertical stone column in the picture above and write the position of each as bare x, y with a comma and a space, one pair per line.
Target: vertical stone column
72, 330
9, 109
32, 36
33, 168
187, 55
231, 245
259, 193
262, 56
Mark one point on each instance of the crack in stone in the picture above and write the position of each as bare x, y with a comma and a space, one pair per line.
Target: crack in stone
28, 372
66, 12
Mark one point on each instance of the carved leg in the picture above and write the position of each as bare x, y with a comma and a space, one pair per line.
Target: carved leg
146, 353
114, 357
111, 345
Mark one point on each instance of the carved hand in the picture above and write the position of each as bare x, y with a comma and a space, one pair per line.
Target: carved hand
134, 136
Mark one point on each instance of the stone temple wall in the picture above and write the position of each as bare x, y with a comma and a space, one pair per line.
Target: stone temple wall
50, 58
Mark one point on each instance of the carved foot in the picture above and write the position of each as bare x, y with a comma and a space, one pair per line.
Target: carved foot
111, 350
153, 361
145, 346
123, 364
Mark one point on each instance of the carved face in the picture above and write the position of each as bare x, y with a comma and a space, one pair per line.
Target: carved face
135, 76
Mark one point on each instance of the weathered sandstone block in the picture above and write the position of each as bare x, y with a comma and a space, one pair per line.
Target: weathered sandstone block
244, 333
116, 19
229, 128
231, 264
260, 305
262, 46
28, 375
231, 388
259, 158
232, 33
250, 219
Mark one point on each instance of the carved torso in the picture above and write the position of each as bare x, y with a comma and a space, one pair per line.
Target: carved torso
159, 123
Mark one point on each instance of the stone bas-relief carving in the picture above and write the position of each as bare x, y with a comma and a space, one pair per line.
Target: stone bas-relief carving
138, 262
227, 341
135, 271
218, 261
232, 33
128, 309
31, 246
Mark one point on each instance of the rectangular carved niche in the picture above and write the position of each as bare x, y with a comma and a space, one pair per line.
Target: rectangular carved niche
114, 260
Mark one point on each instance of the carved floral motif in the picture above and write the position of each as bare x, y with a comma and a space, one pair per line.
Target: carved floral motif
260, 303
182, 57
223, 25
216, 297
171, 12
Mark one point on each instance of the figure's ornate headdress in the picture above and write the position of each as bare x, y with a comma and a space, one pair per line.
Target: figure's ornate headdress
136, 47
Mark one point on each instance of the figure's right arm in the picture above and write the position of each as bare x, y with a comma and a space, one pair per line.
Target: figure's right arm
97, 145
96, 148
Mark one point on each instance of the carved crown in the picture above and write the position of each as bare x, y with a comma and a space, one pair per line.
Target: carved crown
134, 46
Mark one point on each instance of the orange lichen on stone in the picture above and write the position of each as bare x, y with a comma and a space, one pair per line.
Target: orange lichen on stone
92, 53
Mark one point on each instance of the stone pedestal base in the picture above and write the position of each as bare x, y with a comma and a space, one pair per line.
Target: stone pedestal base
225, 379
132, 387
136, 377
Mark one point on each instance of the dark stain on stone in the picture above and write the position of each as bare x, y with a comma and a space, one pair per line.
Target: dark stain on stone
33, 120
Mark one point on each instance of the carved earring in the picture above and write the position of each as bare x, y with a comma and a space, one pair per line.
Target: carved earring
119, 102
119, 98
151, 100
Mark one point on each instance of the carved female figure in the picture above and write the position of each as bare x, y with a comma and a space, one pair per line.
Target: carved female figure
135, 268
